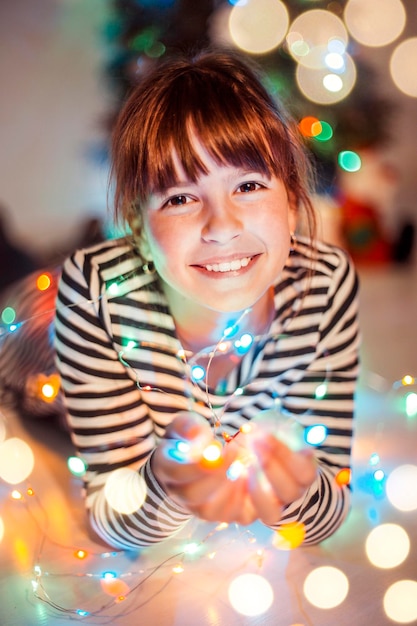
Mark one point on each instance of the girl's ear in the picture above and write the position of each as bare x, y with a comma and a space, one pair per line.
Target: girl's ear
139, 235
292, 212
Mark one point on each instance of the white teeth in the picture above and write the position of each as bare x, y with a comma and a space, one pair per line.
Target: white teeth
228, 267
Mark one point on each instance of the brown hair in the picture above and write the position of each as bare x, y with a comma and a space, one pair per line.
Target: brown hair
221, 97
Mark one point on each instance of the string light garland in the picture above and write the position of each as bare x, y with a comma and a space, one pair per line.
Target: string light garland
124, 597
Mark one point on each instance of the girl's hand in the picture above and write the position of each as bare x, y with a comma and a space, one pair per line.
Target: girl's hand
199, 484
278, 476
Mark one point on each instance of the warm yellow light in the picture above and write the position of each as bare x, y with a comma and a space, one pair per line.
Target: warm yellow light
326, 587
401, 487
258, 26
43, 282
250, 594
289, 536
125, 490
400, 601
16, 460
387, 546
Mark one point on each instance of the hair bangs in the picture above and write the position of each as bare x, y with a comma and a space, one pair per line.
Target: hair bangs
229, 127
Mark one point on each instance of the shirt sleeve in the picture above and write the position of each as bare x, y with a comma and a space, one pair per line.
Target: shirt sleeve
108, 421
325, 395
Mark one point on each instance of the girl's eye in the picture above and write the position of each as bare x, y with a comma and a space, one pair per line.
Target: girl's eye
248, 187
177, 201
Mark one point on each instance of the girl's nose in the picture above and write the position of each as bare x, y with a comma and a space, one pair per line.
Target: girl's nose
221, 223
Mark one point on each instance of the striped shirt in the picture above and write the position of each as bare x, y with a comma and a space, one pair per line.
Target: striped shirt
124, 377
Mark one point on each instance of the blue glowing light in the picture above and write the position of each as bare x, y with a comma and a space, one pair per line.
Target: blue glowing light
374, 459
379, 475
113, 289
315, 435
198, 372
179, 451
244, 343
76, 466
320, 391
349, 161
8, 315
235, 470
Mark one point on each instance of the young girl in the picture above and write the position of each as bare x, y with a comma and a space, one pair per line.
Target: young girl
212, 321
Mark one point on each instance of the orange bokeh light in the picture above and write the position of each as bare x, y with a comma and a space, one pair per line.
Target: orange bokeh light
43, 282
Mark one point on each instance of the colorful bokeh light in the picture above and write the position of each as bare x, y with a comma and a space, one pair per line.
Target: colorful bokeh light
400, 601
125, 490
16, 460
258, 26
401, 487
349, 161
387, 546
326, 587
387, 17
250, 594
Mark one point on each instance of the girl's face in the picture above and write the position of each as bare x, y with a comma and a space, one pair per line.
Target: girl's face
219, 243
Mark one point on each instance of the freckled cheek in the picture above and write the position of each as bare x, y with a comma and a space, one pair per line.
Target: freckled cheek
165, 244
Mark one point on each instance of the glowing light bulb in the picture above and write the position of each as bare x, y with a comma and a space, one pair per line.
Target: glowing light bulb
47, 390
235, 470
113, 289
411, 404
192, 548
332, 82
244, 343
320, 391
125, 490
315, 435
379, 475
80, 554
43, 282
326, 587
401, 487
250, 594
343, 477
289, 536
307, 124
8, 315
229, 331
180, 451
76, 466
334, 61
400, 601
16, 460
198, 373
212, 453
387, 545
349, 161
178, 569
326, 132
48, 387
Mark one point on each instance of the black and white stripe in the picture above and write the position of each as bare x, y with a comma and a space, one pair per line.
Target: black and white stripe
120, 401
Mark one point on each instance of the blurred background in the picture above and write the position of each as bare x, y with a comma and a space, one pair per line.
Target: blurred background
346, 70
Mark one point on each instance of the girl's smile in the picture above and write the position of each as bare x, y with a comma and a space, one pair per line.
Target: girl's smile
220, 242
